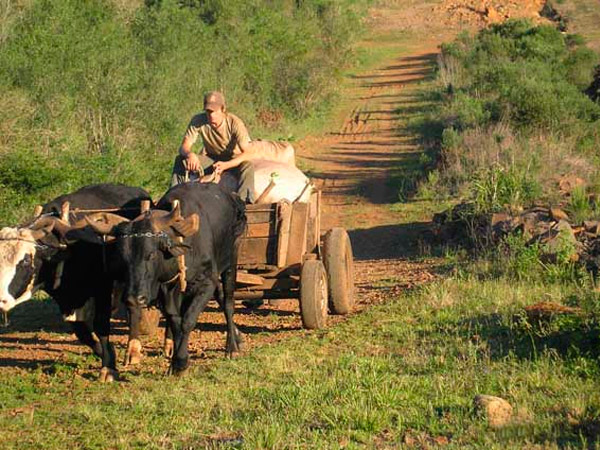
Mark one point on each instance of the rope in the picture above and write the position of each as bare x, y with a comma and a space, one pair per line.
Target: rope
36, 244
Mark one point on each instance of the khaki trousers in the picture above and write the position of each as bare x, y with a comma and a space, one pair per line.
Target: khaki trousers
244, 173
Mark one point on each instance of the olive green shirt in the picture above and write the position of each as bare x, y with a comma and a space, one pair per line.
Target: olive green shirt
221, 143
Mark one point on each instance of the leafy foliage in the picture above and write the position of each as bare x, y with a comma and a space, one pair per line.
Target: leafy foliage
516, 115
90, 93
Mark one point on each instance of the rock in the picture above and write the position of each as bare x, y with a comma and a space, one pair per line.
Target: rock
558, 214
492, 15
497, 410
560, 239
591, 226
569, 182
544, 311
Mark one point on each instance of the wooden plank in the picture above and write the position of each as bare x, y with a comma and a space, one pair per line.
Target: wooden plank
263, 216
285, 214
260, 230
257, 251
248, 278
297, 245
312, 237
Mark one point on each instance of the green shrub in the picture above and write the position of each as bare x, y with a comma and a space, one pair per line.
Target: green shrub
496, 189
517, 116
90, 93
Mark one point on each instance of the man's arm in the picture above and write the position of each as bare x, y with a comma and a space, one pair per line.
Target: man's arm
246, 155
190, 159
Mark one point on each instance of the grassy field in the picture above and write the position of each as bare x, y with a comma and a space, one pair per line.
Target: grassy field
399, 375
404, 373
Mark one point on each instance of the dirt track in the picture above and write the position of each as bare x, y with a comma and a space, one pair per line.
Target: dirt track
352, 166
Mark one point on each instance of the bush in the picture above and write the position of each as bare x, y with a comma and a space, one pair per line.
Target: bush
516, 115
98, 91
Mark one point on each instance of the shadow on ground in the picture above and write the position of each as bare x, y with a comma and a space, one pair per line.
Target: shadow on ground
397, 241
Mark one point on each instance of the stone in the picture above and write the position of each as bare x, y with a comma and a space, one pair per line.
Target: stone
591, 226
492, 15
559, 239
569, 182
558, 214
496, 410
544, 311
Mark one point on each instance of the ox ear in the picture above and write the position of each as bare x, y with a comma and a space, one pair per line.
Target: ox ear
186, 227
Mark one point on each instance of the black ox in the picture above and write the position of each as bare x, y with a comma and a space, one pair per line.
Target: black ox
49, 254
206, 227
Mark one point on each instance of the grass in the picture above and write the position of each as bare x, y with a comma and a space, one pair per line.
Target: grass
402, 372
583, 17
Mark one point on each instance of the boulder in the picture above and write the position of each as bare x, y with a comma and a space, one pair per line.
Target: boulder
496, 410
558, 214
544, 311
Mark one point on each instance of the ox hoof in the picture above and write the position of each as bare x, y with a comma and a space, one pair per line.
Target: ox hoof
168, 348
108, 375
133, 355
239, 339
178, 367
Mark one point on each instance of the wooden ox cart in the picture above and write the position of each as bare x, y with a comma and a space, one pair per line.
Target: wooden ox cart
283, 255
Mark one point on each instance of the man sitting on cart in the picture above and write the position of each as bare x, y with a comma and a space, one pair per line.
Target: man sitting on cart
226, 147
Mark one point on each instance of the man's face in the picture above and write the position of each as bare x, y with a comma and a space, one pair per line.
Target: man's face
215, 116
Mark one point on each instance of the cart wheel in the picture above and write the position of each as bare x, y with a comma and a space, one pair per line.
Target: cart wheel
340, 270
313, 295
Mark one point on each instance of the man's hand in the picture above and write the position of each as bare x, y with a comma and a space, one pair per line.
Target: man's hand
221, 166
192, 162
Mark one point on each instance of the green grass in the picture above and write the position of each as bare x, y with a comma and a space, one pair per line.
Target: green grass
401, 371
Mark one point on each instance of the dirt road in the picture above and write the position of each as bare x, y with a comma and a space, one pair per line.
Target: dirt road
352, 164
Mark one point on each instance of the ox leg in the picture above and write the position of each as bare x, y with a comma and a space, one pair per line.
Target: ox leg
172, 311
84, 334
133, 355
234, 337
108, 373
191, 307
165, 297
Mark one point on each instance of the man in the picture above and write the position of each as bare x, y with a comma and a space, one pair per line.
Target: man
226, 142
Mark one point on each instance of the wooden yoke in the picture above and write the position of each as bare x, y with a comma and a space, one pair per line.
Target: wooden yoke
64, 216
180, 258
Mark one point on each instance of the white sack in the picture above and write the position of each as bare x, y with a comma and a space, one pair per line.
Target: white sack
289, 181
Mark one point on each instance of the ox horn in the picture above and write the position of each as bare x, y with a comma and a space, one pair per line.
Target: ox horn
44, 225
41, 228
103, 223
174, 220
160, 223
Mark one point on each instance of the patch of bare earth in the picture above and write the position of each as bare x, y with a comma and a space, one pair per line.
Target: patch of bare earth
352, 165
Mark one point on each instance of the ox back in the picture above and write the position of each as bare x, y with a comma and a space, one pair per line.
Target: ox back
222, 220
